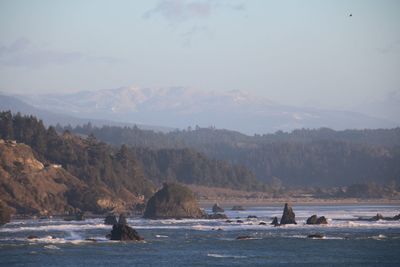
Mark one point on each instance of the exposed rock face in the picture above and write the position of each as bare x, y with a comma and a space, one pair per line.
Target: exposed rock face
317, 220
275, 221
173, 201
110, 220
217, 208
288, 216
123, 232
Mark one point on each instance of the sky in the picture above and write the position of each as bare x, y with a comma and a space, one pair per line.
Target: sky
306, 52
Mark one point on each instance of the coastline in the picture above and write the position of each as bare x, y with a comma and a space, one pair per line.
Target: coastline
207, 203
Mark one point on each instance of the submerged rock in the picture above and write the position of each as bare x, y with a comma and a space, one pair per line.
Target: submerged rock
32, 237
110, 220
275, 221
251, 217
216, 208
316, 236
173, 201
316, 220
237, 208
288, 216
262, 223
123, 232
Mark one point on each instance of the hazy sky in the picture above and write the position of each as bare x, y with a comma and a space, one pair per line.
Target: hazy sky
293, 52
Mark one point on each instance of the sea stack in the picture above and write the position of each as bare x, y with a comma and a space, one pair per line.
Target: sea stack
217, 208
123, 232
173, 201
288, 216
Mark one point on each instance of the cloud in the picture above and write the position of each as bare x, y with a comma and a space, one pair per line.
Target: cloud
23, 53
183, 10
189, 16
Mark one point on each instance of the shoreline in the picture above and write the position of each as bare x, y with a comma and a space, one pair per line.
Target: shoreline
207, 203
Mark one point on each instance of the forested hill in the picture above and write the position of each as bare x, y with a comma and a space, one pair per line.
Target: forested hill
321, 157
134, 169
200, 136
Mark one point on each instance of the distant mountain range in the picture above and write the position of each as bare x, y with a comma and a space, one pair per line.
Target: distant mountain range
180, 107
49, 117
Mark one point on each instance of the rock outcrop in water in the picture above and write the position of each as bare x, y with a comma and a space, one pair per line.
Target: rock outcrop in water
275, 221
217, 208
314, 219
288, 216
123, 232
237, 207
173, 201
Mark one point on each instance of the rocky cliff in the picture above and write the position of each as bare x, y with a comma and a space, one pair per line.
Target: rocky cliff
173, 201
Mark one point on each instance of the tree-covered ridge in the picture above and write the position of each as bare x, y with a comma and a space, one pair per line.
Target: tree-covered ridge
121, 169
321, 157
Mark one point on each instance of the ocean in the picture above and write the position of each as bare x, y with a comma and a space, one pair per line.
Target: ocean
347, 240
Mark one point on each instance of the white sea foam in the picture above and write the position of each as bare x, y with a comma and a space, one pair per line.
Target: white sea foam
51, 247
55, 227
214, 255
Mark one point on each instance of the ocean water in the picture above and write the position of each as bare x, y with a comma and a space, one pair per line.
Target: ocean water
347, 242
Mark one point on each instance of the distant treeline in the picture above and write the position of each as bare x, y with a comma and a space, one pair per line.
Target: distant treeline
321, 157
135, 169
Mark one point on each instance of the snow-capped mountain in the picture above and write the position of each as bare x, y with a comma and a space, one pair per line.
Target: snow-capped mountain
181, 107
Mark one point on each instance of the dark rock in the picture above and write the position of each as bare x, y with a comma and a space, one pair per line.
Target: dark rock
217, 208
322, 220
251, 217
32, 237
239, 221
5, 213
275, 221
173, 201
317, 220
316, 236
237, 208
110, 220
312, 219
122, 219
91, 239
123, 232
262, 223
396, 217
288, 216
229, 221
217, 216
243, 237
377, 217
